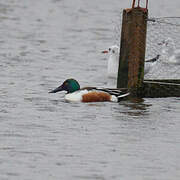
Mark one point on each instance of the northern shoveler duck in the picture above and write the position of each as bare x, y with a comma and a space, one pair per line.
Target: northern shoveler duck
113, 61
89, 94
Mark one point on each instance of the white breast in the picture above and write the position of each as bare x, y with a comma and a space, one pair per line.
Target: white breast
75, 96
113, 66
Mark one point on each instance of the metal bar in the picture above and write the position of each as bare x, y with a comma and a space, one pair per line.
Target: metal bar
133, 4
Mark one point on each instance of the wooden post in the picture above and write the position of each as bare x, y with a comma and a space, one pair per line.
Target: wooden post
132, 58
132, 49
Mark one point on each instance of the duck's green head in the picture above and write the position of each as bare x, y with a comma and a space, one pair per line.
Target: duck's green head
69, 85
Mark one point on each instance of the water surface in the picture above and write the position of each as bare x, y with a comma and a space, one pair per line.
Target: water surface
44, 42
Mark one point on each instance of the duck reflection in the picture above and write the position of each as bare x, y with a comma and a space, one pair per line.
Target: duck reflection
135, 107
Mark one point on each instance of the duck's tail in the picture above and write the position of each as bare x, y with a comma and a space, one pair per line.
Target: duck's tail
116, 94
123, 95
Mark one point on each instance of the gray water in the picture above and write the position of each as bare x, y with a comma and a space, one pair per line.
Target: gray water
44, 42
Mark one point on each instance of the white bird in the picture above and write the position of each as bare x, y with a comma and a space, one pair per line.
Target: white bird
113, 61
170, 54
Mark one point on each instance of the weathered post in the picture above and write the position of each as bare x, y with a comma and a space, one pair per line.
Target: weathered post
132, 58
132, 49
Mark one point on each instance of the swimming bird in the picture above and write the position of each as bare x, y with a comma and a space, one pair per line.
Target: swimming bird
89, 94
113, 61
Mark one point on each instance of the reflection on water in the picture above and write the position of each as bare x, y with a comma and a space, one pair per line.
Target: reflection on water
134, 107
45, 137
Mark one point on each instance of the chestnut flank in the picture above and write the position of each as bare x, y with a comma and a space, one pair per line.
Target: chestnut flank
96, 97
